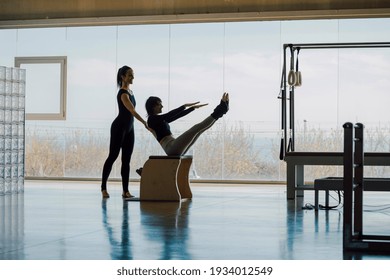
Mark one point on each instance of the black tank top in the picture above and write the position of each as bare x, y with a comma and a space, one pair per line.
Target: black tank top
125, 118
160, 123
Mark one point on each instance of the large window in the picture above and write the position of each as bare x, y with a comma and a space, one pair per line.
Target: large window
197, 62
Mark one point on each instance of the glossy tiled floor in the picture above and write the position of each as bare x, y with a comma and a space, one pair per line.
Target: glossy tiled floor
69, 220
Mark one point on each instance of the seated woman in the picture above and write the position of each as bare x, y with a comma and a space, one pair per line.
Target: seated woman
160, 124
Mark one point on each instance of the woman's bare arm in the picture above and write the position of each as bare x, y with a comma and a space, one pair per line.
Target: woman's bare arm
129, 106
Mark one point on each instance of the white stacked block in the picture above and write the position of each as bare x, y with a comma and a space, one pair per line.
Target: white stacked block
12, 112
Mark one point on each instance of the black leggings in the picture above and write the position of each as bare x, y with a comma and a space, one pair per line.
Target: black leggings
120, 139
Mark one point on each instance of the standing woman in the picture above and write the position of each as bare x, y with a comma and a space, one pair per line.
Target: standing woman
122, 132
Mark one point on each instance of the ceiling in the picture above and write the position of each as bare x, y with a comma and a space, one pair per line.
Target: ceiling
49, 13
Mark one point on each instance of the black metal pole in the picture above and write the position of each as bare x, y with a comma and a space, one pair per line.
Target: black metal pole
358, 181
284, 103
348, 184
354, 45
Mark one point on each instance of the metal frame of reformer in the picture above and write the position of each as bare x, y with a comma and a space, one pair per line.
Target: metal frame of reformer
297, 161
353, 159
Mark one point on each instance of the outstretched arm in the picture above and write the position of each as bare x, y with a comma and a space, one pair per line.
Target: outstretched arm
180, 111
191, 104
199, 105
194, 105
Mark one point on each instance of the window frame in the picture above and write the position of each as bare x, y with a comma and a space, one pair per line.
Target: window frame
62, 60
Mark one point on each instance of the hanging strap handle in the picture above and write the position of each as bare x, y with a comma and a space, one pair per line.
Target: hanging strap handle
298, 74
291, 75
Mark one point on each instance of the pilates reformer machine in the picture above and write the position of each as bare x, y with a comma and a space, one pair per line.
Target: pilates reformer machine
296, 161
354, 184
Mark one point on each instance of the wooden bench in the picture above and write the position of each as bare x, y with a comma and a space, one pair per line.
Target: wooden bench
166, 178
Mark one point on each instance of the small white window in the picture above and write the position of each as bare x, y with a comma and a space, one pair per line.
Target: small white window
45, 87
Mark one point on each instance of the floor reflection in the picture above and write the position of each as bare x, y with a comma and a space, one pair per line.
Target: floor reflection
294, 226
307, 228
12, 226
121, 246
224, 222
166, 223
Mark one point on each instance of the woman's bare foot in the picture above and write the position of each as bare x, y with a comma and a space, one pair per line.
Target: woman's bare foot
127, 195
105, 194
